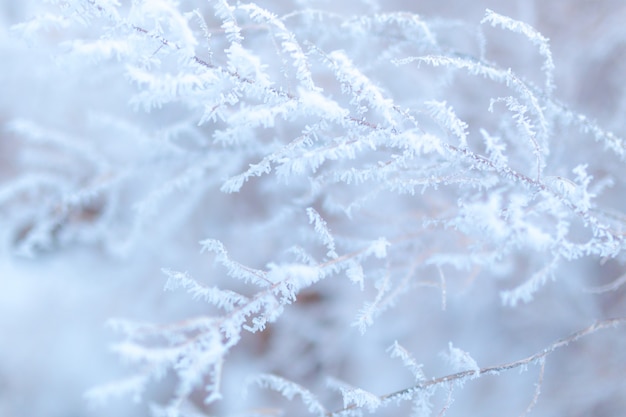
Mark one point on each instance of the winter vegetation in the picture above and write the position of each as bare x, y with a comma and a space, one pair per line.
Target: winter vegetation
305, 207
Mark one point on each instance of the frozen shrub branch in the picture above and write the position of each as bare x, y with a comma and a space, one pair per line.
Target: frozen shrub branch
341, 164
409, 394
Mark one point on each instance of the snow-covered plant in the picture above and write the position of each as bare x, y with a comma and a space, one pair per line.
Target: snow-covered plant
359, 179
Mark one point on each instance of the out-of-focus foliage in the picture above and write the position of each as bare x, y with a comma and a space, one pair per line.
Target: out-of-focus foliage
353, 208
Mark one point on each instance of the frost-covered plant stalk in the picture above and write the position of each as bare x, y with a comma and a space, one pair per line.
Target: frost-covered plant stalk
338, 167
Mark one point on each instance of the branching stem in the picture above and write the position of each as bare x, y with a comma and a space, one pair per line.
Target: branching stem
538, 357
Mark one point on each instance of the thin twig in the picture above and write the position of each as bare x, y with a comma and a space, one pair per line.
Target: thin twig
532, 404
540, 356
612, 286
448, 403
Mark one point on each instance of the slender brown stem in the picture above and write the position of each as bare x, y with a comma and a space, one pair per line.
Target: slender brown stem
540, 356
